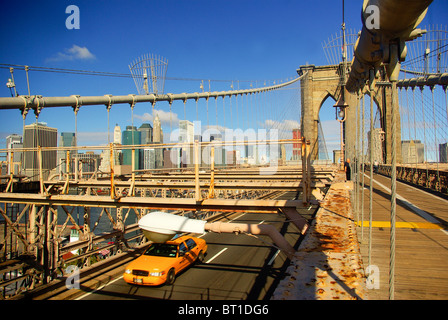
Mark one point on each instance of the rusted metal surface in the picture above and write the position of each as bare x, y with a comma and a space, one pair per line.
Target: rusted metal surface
328, 264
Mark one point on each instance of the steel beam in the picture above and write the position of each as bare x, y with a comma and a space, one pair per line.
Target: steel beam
430, 81
151, 202
240, 185
34, 102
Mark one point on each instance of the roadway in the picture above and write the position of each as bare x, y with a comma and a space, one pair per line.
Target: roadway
236, 267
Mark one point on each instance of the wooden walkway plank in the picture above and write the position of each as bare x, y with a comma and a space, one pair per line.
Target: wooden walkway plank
421, 250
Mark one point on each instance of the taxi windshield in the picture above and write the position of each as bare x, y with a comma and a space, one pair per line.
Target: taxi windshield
162, 250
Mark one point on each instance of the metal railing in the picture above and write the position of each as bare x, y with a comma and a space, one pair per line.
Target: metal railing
35, 247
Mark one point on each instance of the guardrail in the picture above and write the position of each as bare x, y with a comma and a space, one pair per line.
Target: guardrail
433, 179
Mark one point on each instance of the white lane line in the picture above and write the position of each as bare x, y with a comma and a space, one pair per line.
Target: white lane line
237, 217
410, 205
425, 192
100, 288
216, 255
413, 207
273, 258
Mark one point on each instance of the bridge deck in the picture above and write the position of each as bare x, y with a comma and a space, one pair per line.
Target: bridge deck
421, 241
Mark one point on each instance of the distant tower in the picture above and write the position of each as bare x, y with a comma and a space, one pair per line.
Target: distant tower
186, 135
157, 131
117, 134
149, 73
158, 138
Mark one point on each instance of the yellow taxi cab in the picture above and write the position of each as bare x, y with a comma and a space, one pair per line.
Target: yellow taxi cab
161, 262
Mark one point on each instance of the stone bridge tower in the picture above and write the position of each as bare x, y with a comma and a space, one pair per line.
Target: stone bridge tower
322, 82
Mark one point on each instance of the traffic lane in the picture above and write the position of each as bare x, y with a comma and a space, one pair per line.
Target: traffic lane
236, 273
241, 271
220, 277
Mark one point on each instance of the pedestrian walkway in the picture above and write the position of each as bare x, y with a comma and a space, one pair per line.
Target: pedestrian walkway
421, 250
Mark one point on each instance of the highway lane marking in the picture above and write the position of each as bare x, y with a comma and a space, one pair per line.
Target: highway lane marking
98, 289
216, 255
237, 217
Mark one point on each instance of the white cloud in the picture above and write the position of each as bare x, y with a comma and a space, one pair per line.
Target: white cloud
93, 138
165, 117
73, 53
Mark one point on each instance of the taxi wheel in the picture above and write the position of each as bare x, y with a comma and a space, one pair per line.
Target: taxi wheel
171, 277
200, 257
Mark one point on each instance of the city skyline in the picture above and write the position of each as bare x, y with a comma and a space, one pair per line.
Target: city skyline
274, 46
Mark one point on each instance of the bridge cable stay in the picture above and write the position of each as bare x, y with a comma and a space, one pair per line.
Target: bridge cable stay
426, 129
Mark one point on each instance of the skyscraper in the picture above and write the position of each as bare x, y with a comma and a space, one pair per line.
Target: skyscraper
412, 151
146, 133
39, 135
296, 147
66, 139
146, 155
186, 135
158, 138
157, 131
117, 134
131, 137
14, 141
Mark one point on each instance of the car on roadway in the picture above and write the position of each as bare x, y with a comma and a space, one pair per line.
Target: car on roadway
161, 262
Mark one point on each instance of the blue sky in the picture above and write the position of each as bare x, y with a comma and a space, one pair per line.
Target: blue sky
246, 40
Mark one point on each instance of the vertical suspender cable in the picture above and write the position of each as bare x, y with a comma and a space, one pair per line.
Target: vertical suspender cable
435, 139
358, 101
362, 169
415, 128
224, 112
393, 201
371, 89
424, 138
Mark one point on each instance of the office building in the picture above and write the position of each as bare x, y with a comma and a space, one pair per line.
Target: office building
90, 161
443, 152
157, 138
131, 137
296, 147
39, 135
14, 141
66, 139
412, 151
146, 132
186, 135
157, 130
